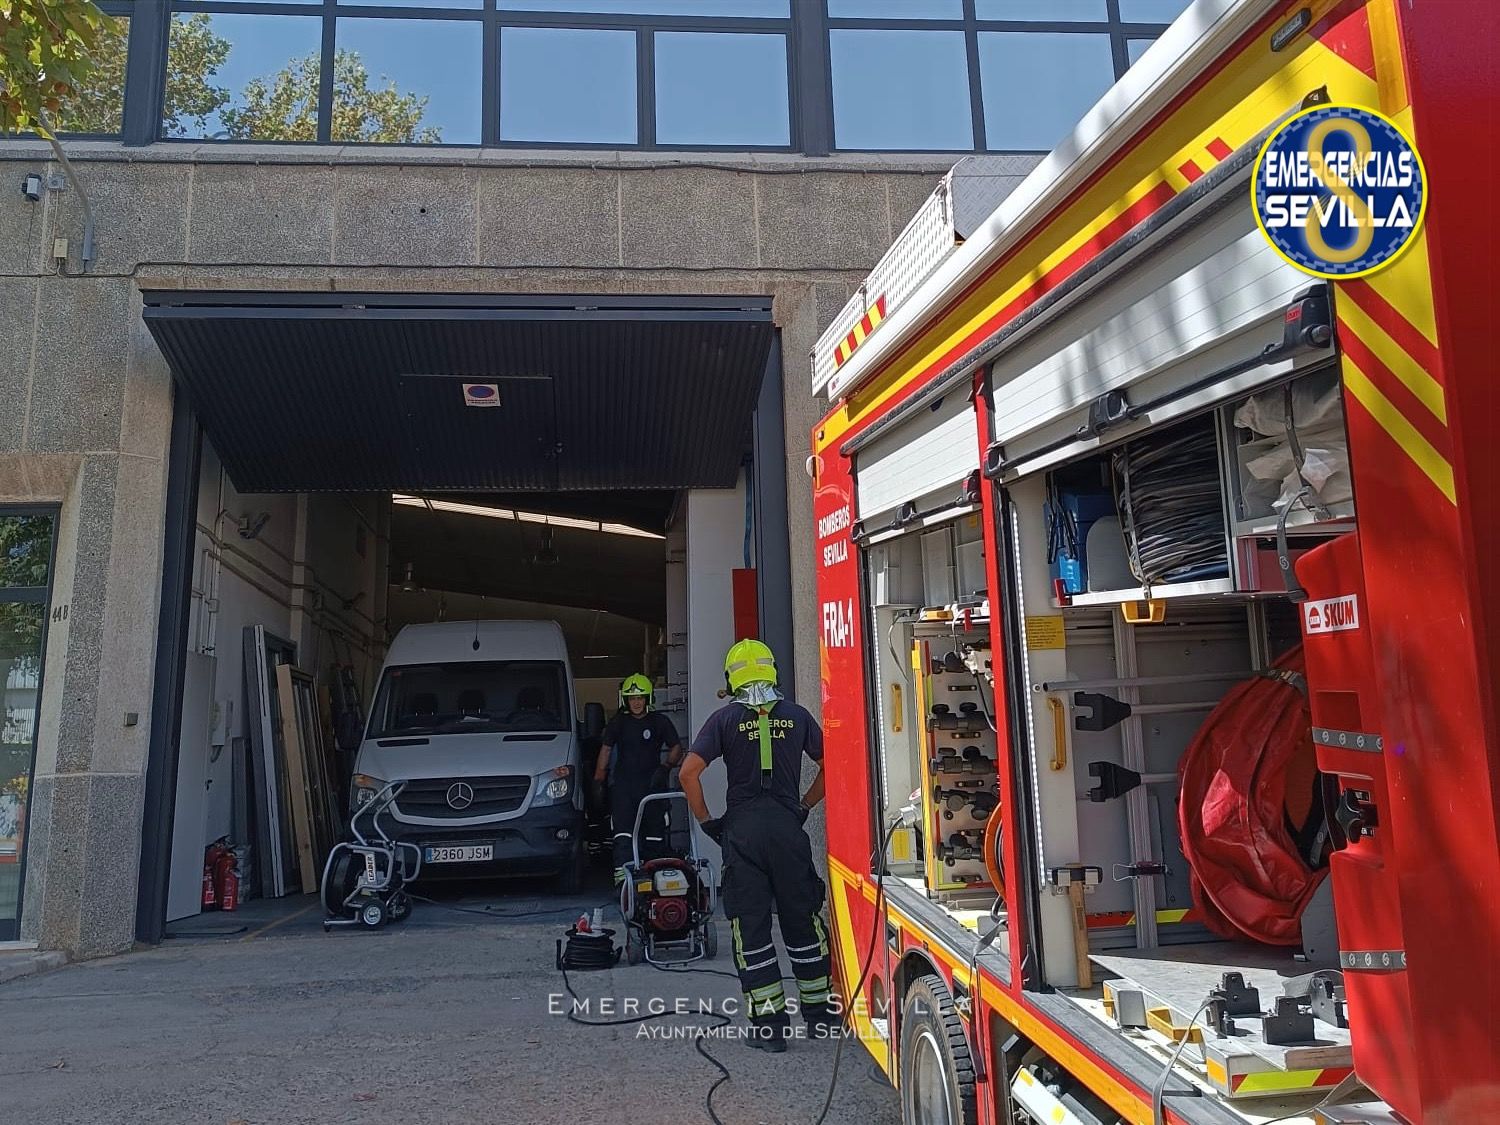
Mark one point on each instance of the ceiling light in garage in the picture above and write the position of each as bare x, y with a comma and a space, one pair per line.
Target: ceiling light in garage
522, 516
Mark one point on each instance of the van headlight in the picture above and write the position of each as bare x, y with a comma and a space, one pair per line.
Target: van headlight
365, 789
554, 786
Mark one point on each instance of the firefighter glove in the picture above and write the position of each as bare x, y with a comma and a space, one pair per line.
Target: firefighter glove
713, 828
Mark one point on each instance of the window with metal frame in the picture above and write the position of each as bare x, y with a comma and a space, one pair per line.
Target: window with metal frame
563, 73
26, 564
97, 108
986, 75
810, 75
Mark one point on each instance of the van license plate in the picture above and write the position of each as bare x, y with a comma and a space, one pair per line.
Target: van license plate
464, 853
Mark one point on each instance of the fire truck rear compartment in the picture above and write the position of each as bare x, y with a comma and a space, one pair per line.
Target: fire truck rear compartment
1121, 665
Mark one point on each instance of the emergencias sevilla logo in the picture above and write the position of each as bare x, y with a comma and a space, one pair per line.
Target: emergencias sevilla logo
1339, 191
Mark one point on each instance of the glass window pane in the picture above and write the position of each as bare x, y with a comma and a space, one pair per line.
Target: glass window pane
25, 550
416, 3
1135, 48
721, 89
896, 9
477, 695
900, 90
1152, 11
761, 9
562, 84
98, 106
407, 81
243, 77
20, 681
1050, 11
1037, 85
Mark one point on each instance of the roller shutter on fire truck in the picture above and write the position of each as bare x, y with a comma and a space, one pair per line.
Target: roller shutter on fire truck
1205, 296
919, 467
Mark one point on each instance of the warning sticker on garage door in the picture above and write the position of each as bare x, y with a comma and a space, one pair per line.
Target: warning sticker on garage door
1332, 615
481, 394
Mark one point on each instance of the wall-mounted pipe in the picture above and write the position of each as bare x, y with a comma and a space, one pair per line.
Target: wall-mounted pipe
87, 253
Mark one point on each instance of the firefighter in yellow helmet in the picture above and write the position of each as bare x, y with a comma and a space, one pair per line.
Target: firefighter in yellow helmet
644, 746
768, 864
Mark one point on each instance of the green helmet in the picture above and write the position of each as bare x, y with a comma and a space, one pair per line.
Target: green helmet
637, 684
749, 662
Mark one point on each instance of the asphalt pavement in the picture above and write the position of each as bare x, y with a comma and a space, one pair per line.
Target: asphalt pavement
456, 1015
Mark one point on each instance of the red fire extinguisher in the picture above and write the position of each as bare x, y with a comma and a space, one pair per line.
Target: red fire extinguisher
211, 856
227, 879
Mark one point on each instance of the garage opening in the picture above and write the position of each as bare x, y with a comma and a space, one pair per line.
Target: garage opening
350, 469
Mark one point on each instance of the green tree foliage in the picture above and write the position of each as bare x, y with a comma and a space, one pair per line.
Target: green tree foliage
194, 59
97, 104
46, 47
283, 106
25, 554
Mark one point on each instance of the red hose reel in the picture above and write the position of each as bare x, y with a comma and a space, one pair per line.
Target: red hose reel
1248, 782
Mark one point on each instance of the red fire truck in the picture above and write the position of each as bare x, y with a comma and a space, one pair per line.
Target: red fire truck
1158, 597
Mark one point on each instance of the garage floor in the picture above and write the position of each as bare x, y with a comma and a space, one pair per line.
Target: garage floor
441, 1019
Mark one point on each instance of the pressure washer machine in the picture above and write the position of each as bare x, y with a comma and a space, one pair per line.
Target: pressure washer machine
364, 882
668, 896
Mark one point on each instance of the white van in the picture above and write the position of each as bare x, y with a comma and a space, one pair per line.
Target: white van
477, 717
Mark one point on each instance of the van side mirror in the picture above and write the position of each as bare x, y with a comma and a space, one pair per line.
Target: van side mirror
593, 720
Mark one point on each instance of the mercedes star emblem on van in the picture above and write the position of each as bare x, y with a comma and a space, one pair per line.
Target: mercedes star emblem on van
460, 795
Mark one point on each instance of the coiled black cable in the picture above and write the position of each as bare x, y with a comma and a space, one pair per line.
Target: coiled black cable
587, 950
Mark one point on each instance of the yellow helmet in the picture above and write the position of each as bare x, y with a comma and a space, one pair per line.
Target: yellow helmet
749, 662
636, 684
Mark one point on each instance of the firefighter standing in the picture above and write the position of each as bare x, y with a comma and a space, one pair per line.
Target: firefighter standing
641, 735
767, 856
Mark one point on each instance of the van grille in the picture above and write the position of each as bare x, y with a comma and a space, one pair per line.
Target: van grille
493, 796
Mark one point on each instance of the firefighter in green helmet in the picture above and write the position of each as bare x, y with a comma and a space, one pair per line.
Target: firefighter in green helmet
768, 863
644, 746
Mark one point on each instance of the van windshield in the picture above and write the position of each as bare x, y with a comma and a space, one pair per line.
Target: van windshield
471, 695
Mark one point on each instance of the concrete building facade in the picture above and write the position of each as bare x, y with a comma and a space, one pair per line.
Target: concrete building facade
88, 397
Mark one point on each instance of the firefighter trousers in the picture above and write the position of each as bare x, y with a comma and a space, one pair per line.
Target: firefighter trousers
768, 866
626, 794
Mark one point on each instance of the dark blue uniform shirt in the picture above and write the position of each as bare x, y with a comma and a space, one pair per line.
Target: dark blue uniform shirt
640, 741
732, 733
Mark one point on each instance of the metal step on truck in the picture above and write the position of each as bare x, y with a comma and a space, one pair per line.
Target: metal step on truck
1158, 599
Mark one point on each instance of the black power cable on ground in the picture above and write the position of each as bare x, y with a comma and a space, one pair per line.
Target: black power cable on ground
854, 994
487, 912
864, 972
724, 1021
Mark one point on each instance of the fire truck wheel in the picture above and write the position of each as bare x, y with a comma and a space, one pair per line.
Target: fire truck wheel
710, 940
937, 1070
